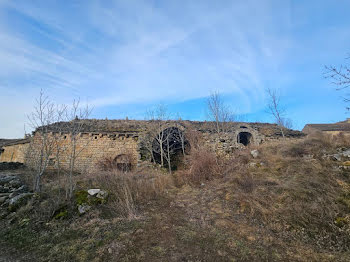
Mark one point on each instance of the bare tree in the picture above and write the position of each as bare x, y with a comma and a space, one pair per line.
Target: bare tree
275, 108
158, 117
219, 112
59, 149
287, 123
340, 77
181, 134
75, 116
168, 150
44, 115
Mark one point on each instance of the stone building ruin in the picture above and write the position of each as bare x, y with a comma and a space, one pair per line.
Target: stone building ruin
124, 142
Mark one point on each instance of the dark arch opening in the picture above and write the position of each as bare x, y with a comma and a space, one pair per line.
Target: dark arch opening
171, 141
123, 162
244, 138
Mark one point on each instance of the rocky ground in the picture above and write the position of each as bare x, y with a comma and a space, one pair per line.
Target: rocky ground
273, 203
13, 193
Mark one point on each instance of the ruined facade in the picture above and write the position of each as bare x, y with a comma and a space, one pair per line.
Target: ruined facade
331, 129
124, 141
14, 150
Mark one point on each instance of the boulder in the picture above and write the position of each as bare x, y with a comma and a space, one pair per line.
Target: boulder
94, 191
254, 153
19, 200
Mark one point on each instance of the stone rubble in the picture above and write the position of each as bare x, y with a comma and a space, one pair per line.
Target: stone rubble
13, 193
254, 153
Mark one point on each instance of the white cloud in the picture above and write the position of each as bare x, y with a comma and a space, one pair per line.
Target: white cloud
120, 52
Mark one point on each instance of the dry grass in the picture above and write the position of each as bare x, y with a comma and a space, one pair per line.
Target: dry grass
129, 190
288, 204
202, 165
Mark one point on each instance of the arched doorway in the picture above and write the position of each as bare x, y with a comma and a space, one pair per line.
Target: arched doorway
169, 147
244, 138
123, 162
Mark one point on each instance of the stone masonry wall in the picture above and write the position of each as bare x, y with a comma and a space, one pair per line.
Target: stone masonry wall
114, 138
14, 153
90, 148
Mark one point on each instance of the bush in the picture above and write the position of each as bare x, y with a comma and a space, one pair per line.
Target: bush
202, 165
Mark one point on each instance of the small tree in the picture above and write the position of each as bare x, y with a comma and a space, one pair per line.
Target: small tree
59, 149
219, 112
44, 115
181, 134
340, 77
275, 108
75, 116
156, 131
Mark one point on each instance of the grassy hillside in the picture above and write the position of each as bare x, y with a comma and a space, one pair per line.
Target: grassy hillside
290, 203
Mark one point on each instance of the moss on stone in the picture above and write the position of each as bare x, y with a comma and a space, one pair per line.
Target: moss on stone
81, 197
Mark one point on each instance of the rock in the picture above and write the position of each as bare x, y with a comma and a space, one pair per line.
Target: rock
93, 192
14, 193
254, 153
3, 213
83, 208
6, 179
21, 189
336, 157
15, 183
102, 195
19, 200
346, 153
3, 199
4, 189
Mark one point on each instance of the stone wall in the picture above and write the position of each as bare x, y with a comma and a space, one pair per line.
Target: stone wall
91, 148
116, 138
14, 153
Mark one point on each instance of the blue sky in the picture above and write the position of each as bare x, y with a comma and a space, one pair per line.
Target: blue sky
123, 57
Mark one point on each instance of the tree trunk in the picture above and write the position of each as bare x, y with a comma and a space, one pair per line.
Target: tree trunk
168, 149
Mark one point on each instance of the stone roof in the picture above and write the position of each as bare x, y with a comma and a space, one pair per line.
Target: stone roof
138, 126
10, 142
340, 126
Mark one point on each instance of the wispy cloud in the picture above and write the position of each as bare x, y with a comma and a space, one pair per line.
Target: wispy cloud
114, 53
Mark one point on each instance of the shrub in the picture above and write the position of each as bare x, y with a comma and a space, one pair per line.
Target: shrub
202, 165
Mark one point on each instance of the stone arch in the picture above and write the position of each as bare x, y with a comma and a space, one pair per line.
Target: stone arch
244, 138
123, 162
172, 138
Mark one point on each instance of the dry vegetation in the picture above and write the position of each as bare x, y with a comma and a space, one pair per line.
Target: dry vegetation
291, 203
